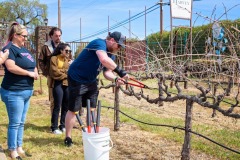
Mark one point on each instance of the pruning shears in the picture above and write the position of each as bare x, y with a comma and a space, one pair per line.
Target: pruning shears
137, 84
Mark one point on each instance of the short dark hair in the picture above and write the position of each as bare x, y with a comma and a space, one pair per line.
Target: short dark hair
53, 30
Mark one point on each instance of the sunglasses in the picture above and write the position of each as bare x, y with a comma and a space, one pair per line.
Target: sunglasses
68, 51
24, 36
119, 46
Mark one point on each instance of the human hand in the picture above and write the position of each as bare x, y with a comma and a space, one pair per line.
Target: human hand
120, 81
4, 55
33, 75
36, 76
70, 62
126, 77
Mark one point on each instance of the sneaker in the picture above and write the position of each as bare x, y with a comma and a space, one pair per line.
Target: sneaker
63, 130
68, 142
57, 131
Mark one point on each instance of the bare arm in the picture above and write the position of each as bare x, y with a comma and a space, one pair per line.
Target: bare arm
109, 75
4, 56
111, 65
13, 68
105, 60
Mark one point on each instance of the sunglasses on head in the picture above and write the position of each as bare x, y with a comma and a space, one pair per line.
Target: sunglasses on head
68, 51
15, 23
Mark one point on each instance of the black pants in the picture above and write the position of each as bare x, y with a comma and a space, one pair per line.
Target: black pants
60, 95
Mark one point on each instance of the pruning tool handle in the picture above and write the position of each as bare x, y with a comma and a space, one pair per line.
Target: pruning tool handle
80, 121
137, 81
139, 84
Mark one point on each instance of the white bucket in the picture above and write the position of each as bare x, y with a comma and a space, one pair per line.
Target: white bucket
97, 145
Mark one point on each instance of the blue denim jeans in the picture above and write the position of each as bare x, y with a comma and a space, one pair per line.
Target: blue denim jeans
17, 104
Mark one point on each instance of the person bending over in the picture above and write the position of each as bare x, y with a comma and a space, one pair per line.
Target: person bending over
83, 72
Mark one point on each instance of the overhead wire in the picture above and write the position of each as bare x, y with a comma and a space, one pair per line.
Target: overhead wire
119, 24
90, 4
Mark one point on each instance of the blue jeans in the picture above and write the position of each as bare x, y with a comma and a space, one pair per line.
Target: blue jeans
17, 104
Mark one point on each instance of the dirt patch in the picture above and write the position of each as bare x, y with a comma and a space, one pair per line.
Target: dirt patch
177, 109
132, 143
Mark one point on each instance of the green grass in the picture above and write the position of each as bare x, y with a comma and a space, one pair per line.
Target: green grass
45, 146
225, 137
38, 139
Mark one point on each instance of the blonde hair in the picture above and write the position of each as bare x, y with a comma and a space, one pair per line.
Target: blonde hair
15, 28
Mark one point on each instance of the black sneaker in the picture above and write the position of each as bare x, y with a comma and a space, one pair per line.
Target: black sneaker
68, 141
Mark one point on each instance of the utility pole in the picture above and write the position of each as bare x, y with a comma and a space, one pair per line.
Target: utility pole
161, 17
108, 26
130, 24
59, 14
145, 23
80, 30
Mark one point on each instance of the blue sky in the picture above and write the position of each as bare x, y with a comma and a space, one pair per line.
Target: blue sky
94, 16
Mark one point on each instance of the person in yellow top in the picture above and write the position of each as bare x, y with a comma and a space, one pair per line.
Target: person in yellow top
59, 65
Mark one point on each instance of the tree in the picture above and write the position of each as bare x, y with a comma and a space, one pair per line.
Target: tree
27, 12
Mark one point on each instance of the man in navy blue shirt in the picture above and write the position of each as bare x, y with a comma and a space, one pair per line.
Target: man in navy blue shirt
82, 75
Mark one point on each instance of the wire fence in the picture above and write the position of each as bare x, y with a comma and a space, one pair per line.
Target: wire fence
174, 128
